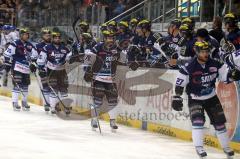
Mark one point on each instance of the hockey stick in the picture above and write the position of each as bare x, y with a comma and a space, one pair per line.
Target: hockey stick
95, 111
227, 42
18, 87
41, 89
61, 102
74, 28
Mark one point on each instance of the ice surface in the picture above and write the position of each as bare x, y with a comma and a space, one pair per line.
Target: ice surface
36, 135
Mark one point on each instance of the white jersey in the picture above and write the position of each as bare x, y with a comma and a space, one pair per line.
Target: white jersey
7, 38
232, 60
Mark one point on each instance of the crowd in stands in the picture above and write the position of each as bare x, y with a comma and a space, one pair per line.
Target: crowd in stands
7, 8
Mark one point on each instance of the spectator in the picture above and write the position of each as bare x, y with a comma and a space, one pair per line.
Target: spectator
120, 8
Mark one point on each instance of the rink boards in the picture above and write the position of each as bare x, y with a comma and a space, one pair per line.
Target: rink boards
145, 102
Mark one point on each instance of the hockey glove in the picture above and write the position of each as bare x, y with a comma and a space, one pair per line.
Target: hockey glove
177, 103
234, 74
7, 67
33, 67
42, 73
88, 76
134, 65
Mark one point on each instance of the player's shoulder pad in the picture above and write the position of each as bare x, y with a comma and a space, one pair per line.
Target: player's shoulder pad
14, 43
189, 66
41, 44
63, 48
47, 47
215, 63
97, 47
30, 46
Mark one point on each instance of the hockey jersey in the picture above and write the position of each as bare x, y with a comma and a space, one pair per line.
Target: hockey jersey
199, 79
234, 37
19, 54
8, 38
110, 59
40, 46
54, 57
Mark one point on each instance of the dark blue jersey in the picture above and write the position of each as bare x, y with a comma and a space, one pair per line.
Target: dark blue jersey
150, 40
171, 39
110, 58
20, 54
40, 46
53, 56
138, 40
199, 79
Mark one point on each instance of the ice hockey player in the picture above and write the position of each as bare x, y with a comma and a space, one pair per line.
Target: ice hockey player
103, 83
123, 35
112, 26
150, 55
230, 56
199, 77
186, 43
84, 27
54, 57
203, 35
133, 25
233, 31
173, 32
7, 36
18, 57
168, 44
190, 22
46, 40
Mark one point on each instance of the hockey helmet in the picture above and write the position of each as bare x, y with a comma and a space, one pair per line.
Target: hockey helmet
144, 24
230, 19
134, 22
201, 45
190, 22
176, 22
24, 31
56, 34
123, 24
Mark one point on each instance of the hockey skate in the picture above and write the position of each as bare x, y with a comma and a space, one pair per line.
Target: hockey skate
201, 152
25, 106
46, 108
229, 152
67, 111
53, 111
16, 107
57, 108
94, 124
113, 125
